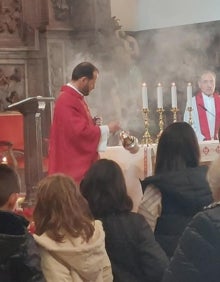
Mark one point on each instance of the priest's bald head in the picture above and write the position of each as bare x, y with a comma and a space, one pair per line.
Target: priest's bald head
84, 77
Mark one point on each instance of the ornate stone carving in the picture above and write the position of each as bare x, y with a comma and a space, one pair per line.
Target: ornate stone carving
20, 22
12, 84
62, 9
10, 16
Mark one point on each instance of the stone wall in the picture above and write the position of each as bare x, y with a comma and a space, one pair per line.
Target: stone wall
42, 40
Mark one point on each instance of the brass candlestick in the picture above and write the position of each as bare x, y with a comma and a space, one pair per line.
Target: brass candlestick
174, 111
189, 109
161, 123
146, 139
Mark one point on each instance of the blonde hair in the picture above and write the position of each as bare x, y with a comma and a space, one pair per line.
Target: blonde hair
213, 177
61, 209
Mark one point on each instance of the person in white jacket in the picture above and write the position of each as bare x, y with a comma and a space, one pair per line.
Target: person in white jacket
72, 244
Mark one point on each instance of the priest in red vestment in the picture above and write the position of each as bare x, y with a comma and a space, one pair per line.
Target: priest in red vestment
75, 139
206, 109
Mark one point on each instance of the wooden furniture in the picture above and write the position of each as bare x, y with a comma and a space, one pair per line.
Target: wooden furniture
32, 110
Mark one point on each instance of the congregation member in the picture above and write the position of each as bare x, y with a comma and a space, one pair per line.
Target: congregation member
205, 108
72, 244
197, 256
19, 254
178, 189
75, 137
134, 254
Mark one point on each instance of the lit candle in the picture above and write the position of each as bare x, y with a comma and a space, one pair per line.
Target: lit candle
159, 96
144, 96
4, 160
173, 95
189, 95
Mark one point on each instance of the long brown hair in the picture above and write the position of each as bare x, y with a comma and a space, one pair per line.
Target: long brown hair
105, 189
61, 209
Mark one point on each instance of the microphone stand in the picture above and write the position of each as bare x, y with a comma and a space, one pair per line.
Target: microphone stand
204, 108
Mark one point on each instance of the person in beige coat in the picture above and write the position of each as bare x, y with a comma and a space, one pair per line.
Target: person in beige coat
72, 244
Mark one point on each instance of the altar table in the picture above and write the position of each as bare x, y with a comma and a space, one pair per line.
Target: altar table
143, 161
138, 166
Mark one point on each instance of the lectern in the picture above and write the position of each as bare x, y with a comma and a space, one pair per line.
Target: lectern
32, 109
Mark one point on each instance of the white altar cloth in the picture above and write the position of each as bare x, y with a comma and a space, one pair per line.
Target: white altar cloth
143, 160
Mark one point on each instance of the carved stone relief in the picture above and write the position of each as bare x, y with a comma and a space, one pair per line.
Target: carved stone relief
10, 21
12, 83
62, 9
14, 31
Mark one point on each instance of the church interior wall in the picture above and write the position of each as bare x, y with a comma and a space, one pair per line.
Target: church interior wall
59, 38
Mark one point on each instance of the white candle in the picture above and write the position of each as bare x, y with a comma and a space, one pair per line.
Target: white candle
189, 95
159, 96
144, 96
173, 95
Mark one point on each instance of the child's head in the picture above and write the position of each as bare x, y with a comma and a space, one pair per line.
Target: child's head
9, 187
61, 209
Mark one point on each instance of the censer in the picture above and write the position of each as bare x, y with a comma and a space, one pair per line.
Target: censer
129, 142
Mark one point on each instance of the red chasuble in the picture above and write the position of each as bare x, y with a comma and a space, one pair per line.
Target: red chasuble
74, 137
203, 118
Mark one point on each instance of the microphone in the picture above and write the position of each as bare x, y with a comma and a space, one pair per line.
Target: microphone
204, 108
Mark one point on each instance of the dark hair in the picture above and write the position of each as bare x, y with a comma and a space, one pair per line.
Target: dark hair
9, 183
84, 69
60, 209
177, 149
105, 190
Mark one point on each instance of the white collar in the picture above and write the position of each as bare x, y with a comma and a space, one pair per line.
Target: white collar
72, 86
206, 97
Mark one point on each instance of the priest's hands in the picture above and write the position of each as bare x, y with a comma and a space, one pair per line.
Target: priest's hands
97, 120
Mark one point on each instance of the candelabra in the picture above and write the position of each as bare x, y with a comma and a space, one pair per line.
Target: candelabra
161, 123
189, 109
146, 139
174, 111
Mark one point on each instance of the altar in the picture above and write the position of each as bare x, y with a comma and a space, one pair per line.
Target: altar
140, 165
143, 161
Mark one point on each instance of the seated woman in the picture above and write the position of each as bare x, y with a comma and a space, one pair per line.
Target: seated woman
178, 189
197, 256
72, 244
130, 243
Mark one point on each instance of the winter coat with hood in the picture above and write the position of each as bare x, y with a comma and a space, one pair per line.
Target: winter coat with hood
184, 193
74, 259
19, 254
